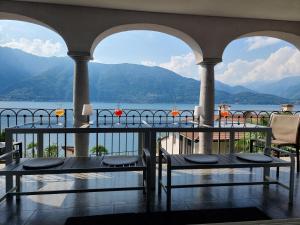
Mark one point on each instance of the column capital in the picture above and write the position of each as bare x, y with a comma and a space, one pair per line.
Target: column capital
80, 56
210, 61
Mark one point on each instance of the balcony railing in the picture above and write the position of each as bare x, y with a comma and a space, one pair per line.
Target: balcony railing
128, 143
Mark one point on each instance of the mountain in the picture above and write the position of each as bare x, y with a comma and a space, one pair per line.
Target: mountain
287, 87
231, 89
28, 77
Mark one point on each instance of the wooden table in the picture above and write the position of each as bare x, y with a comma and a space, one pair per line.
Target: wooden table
147, 131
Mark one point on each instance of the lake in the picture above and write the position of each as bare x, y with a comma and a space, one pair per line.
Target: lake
98, 105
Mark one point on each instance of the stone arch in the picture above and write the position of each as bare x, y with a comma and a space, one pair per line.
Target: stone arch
19, 17
152, 27
288, 37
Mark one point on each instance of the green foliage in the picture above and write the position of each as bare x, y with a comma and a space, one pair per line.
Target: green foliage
264, 121
31, 145
243, 143
51, 151
2, 136
101, 149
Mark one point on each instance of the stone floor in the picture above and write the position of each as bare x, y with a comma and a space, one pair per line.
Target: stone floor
55, 209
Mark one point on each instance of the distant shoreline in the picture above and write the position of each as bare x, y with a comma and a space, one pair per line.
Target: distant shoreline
152, 106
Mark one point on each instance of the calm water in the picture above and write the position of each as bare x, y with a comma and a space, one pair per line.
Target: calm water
97, 105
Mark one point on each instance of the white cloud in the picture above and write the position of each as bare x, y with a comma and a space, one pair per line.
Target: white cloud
96, 61
38, 47
184, 65
148, 63
282, 63
260, 42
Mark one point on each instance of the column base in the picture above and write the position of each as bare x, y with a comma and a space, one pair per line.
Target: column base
81, 145
205, 143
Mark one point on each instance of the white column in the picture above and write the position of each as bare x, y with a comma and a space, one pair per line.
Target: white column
207, 101
80, 97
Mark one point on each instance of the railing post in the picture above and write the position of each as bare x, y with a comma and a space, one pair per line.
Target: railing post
40, 144
231, 142
140, 143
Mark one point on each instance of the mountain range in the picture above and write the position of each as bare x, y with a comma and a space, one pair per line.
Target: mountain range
287, 87
32, 78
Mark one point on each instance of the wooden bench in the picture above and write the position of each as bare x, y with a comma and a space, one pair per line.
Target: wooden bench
178, 162
76, 165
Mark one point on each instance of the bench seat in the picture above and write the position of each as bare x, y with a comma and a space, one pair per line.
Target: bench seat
178, 162
71, 165
230, 161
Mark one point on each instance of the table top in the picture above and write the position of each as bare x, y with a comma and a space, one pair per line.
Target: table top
137, 127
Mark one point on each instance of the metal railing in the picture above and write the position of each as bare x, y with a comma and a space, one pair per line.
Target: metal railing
128, 143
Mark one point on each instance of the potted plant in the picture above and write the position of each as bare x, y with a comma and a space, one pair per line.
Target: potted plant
100, 149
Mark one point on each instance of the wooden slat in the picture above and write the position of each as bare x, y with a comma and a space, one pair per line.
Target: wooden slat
71, 165
225, 161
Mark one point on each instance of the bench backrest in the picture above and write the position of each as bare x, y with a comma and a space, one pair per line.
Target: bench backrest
285, 127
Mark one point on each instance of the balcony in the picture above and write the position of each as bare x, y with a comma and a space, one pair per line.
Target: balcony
32, 209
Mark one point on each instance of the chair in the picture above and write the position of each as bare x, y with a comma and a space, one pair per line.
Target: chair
285, 132
17, 145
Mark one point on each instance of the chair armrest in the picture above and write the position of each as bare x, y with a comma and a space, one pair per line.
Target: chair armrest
8, 154
166, 155
279, 150
291, 155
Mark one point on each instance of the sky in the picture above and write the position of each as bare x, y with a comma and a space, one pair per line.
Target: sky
245, 60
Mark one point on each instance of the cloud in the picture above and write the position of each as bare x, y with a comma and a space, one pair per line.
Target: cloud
38, 47
96, 61
260, 42
280, 64
184, 65
149, 63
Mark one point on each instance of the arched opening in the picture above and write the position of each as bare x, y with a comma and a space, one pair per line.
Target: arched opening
159, 56
264, 67
153, 27
35, 75
143, 68
34, 62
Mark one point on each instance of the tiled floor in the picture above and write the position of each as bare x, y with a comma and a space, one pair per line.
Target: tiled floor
55, 209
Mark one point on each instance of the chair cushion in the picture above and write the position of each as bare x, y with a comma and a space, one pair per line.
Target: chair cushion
285, 127
201, 158
254, 157
42, 163
120, 160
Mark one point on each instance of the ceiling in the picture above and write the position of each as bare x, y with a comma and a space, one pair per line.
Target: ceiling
262, 9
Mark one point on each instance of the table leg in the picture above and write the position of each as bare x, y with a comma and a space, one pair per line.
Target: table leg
268, 151
149, 142
8, 160
153, 159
